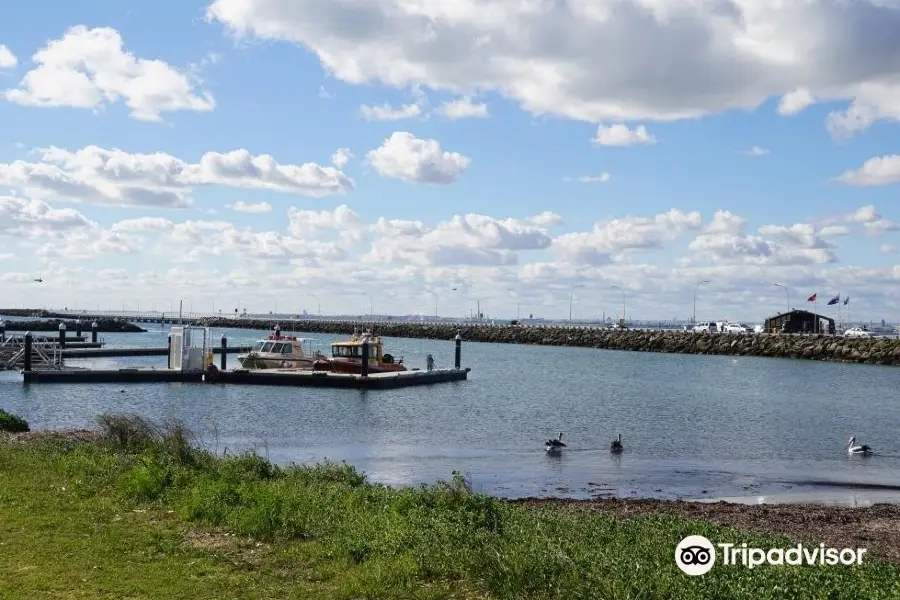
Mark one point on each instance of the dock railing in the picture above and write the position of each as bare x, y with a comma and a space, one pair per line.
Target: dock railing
44, 354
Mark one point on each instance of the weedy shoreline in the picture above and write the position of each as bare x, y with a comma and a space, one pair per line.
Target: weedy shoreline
135, 509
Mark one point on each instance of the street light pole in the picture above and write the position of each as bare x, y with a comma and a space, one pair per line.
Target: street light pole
623, 302
571, 295
695, 299
433, 293
518, 301
319, 311
787, 292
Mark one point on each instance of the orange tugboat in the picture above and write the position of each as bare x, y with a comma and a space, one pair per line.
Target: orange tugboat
346, 357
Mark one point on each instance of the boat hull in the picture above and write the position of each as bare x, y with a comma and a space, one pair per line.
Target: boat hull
261, 362
354, 367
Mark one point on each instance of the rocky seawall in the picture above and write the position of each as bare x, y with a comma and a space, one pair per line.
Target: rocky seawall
103, 326
877, 351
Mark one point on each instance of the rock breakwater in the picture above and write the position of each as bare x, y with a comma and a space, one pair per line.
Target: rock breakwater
878, 351
103, 326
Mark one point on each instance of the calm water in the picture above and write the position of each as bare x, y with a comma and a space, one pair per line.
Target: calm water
692, 426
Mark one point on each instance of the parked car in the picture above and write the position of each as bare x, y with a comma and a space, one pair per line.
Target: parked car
734, 328
858, 332
706, 327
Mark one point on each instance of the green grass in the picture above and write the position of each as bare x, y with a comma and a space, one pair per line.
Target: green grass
144, 515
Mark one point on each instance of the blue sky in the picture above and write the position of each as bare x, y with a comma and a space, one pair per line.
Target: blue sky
288, 80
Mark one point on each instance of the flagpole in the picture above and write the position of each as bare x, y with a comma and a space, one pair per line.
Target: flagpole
839, 312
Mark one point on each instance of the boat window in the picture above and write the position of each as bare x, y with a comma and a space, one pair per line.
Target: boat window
268, 347
258, 346
286, 349
346, 351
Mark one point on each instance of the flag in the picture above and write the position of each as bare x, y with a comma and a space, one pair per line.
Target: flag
846, 300
812, 298
834, 300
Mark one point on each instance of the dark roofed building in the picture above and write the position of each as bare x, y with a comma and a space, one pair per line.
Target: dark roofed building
800, 321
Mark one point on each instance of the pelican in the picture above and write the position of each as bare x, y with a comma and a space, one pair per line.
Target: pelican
556, 445
854, 448
616, 445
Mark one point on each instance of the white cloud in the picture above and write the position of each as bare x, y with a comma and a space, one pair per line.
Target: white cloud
834, 230
621, 135
546, 219
756, 151
672, 60
116, 177
8, 60
795, 102
143, 224
399, 227
254, 208
386, 112
872, 221
725, 242
305, 224
601, 178
60, 232
625, 234
88, 68
406, 263
875, 172
404, 156
341, 157
470, 239
33, 218
463, 108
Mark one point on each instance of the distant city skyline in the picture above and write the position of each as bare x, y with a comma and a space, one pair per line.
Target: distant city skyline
527, 156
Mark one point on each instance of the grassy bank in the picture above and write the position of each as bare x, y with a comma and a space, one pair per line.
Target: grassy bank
138, 512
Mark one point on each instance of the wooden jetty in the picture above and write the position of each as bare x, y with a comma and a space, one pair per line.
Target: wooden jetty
282, 377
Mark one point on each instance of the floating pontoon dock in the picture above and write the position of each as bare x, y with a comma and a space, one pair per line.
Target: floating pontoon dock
190, 355
285, 377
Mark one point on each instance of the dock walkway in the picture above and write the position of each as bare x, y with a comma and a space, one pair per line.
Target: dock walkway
283, 377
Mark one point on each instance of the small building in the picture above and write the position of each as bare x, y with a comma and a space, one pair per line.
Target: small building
800, 321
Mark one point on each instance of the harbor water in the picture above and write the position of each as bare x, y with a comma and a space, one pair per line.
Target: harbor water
693, 427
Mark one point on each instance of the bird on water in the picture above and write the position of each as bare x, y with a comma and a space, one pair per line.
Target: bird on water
554, 445
854, 448
616, 445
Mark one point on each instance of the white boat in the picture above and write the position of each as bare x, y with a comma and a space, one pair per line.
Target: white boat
281, 352
858, 332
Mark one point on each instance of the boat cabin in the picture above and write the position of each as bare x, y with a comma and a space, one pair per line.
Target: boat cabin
273, 347
280, 344
353, 349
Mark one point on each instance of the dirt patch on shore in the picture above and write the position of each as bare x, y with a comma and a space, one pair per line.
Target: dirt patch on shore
876, 528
